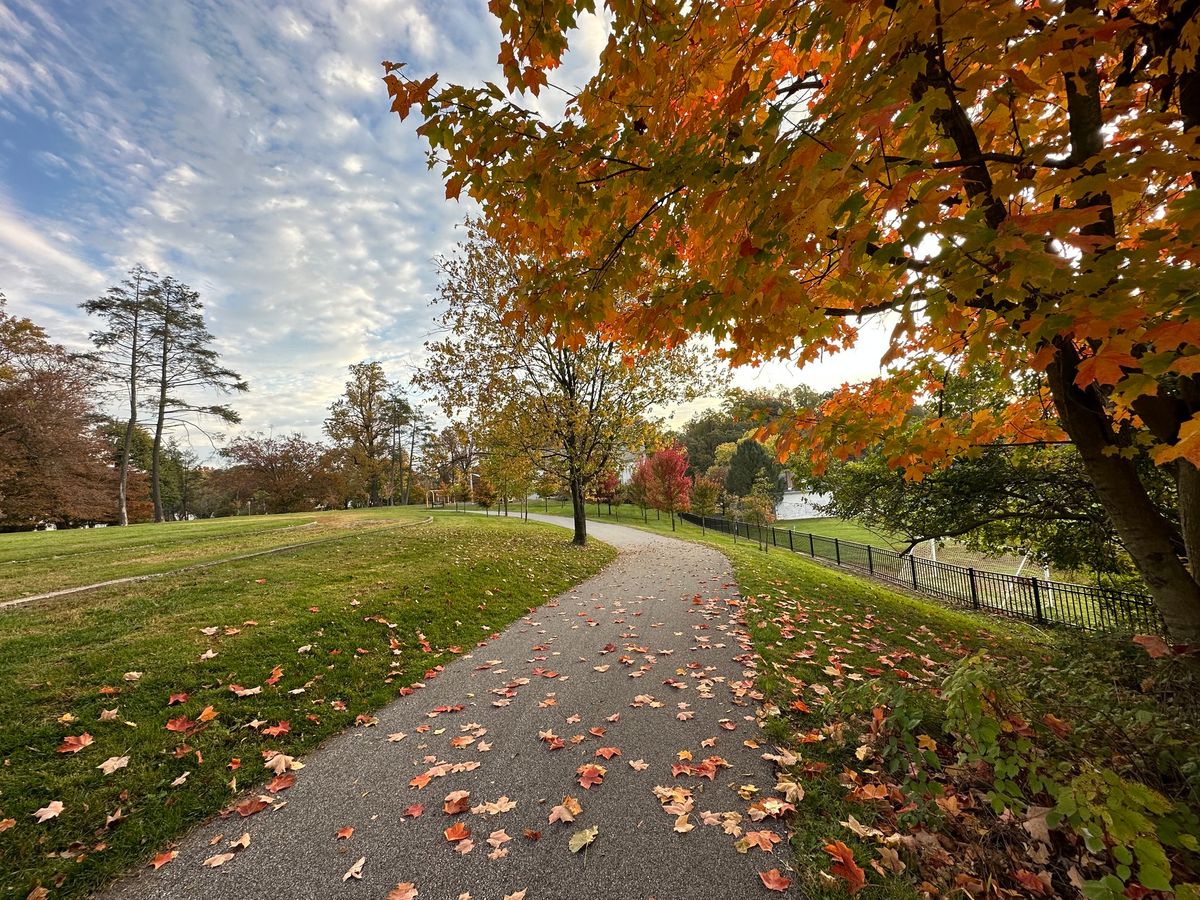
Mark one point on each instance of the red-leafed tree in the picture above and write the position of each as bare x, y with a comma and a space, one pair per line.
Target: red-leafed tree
667, 483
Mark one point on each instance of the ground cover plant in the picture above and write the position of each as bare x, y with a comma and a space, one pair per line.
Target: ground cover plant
929, 750
131, 713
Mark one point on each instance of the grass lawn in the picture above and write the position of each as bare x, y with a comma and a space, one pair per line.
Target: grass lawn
903, 714
40, 562
843, 530
316, 638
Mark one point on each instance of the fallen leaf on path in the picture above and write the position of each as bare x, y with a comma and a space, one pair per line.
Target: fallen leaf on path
774, 880
163, 858
519, 895
584, 838
457, 802
405, 890
355, 871
639, 765
281, 783
252, 805
566, 811
220, 859
344, 833
590, 774
457, 832
413, 810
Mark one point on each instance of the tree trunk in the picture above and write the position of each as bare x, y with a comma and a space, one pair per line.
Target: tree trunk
156, 448
1145, 532
126, 447
579, 510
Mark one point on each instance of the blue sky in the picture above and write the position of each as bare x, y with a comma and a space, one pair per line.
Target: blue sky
245, 147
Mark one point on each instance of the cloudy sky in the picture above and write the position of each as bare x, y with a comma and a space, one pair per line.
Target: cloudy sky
245, 147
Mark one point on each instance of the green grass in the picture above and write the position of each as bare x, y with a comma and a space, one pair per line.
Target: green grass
40, 562
64, 661
843, 530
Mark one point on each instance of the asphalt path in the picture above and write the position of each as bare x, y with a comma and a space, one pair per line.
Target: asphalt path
656, 623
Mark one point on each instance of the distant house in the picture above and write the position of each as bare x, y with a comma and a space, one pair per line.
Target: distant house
801, 505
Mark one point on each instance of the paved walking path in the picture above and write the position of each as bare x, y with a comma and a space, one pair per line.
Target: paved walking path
646, 657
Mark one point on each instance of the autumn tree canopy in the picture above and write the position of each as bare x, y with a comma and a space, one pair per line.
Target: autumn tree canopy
1005, 182
570, 403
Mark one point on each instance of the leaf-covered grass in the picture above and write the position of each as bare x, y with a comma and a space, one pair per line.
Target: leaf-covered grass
40, 562
970, 725
64, 661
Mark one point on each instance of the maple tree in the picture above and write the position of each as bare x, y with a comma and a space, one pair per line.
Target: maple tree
1002, 182
668, 485
569, 406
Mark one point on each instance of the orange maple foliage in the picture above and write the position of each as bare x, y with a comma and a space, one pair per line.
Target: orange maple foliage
1000, 184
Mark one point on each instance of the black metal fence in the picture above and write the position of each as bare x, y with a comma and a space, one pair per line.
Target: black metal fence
1034, 599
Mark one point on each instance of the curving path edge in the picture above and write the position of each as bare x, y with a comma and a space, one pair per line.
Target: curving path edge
663, 608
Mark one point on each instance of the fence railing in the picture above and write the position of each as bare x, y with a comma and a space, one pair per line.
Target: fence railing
1034, 599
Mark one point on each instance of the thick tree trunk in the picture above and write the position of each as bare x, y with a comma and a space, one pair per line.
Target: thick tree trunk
579, 511
1145, 532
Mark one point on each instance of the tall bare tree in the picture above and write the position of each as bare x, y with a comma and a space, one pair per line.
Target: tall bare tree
185, 364
122, 355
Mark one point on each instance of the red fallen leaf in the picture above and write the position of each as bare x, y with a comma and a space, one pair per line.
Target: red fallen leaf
533, 835
163, 858
276, 674
799, 706
177, 698
281, 783
276, 730
235, 763
597, 732
73, 743
207, 714
413, 810
608, 752
343, 834
1155, 647
457, 832
774, 880
251, 806
181, 725
590, 774
845, 867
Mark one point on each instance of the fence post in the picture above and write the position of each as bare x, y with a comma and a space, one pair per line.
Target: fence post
1037, 602
791, 546
837, 551
974, 590
774, 536
812, 548
870, 560
912, 564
